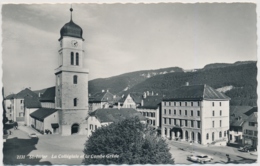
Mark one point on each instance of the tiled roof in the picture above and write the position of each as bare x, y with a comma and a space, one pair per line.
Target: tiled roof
11, 96
102, 97
252, 114
151, 102
48, 95
196, 92
237, 115
42, 113
137, 97
40, 91
31, 99
32, 102
254, 109
115, 115
24, 93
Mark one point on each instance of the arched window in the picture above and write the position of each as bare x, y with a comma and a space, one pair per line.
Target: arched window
72, 58
75, 102
207, 136
213, 136
75, 79
220, 134
77, 59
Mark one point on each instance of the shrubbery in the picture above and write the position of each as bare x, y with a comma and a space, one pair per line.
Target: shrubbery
132, 141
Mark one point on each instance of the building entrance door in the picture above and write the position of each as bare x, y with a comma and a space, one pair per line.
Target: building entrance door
74, 128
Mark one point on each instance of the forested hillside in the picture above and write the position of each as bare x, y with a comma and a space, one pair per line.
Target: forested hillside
240, 75
124, 82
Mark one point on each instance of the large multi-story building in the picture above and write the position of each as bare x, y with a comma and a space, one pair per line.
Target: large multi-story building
196, 113
16, 104
151, 109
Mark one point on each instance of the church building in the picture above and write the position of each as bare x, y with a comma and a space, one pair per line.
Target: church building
71, 81
64, 108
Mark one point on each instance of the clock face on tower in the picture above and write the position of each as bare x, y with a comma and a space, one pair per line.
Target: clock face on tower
74, 43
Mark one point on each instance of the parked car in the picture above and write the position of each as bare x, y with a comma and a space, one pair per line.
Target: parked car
33, 135
247, 148
202, 158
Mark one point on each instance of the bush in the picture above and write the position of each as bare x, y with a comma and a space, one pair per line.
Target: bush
130, 140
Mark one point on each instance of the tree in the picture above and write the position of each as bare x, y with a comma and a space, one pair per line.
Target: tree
130, 141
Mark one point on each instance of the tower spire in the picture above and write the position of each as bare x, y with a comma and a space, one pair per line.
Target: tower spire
71, 10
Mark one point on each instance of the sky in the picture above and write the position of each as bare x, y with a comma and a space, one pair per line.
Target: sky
121, 38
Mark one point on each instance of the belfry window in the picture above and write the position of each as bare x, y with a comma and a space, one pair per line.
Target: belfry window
75, 79
77, 59
72, 58
75, 102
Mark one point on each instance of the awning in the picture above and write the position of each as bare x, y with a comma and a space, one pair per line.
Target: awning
55, 125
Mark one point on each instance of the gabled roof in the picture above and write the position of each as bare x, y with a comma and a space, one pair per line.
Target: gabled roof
151, 102
196, 92
237, 115
48, 95
40, 91
136, 96
11, 96
42, 113
115, 115
32, 102
254, 109
102, 97
31, 99
252, 117
25, 93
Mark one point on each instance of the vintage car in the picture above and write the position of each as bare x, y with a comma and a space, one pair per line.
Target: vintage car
247, 148
33, 135
201, 158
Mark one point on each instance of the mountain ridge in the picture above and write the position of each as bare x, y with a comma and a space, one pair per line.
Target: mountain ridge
240, 75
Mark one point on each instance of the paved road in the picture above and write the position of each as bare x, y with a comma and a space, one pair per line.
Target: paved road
44, 150
19, 148
218, 153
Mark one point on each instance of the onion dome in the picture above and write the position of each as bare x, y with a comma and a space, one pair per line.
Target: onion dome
71, 29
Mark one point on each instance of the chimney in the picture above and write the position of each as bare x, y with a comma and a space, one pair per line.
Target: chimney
147, 93
39, 94
187, 84
103, 90
142, 102
144, 95
118, 105
152, 93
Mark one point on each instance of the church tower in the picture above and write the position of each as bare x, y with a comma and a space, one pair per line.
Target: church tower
71, 81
